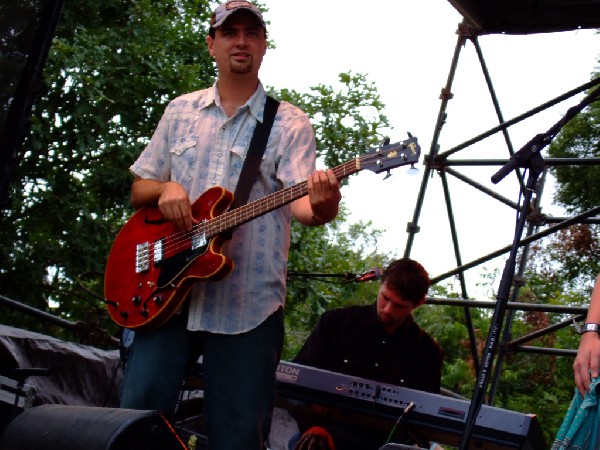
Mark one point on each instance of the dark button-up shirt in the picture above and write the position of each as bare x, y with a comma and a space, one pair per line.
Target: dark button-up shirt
351, 341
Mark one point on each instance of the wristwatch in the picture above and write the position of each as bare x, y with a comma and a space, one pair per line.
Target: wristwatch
590, 327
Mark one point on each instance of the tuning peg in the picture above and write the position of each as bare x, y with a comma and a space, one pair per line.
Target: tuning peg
386, 140
409, 135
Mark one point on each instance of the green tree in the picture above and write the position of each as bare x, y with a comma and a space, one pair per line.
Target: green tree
112, 69
576, 188
347, 121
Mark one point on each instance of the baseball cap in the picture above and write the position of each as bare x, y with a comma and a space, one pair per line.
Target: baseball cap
224, 10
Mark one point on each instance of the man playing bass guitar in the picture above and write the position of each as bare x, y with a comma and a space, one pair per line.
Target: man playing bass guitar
235, 323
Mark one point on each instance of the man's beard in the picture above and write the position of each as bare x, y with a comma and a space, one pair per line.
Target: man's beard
241, 68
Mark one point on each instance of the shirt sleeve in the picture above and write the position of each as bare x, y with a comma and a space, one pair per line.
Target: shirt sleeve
154, 162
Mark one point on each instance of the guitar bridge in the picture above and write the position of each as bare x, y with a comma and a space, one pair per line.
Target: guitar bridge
142, 257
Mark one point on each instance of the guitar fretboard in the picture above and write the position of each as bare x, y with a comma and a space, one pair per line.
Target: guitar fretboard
245, 213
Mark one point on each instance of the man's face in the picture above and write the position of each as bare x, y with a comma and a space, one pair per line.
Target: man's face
239, 45
392, 309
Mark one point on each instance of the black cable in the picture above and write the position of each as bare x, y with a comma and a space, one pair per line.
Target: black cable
92, 293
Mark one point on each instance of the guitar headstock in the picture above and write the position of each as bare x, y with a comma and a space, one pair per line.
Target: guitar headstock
390, 156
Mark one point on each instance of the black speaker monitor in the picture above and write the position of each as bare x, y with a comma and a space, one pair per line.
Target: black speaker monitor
51, 427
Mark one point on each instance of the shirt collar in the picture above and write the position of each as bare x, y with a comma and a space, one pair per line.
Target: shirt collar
212, 97
374, 322
255, 103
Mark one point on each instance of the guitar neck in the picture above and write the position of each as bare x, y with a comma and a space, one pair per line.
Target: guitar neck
245, 213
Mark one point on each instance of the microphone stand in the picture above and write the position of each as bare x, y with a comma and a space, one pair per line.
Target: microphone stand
528, 157
493, 338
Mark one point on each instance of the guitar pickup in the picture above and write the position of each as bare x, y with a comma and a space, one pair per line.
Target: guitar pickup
158, 252
198, 240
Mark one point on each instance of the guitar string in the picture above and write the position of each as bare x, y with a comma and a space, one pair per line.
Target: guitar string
183, 240
179, 241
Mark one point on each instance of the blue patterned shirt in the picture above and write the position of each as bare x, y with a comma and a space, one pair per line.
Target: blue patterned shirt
198, 146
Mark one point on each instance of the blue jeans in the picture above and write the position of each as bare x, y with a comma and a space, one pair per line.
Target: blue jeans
238, 373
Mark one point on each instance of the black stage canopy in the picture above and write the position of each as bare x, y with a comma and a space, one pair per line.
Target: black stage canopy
529, 16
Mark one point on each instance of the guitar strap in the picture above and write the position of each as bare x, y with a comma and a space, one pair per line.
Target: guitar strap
257, 147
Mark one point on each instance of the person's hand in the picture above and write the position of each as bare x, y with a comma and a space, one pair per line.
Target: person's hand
315, 438
587, 363
324, 195
174, 204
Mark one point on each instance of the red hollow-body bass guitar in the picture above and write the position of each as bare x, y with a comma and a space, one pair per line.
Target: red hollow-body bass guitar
152, 266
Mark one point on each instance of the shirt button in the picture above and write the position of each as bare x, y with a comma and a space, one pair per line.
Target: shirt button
214, 183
